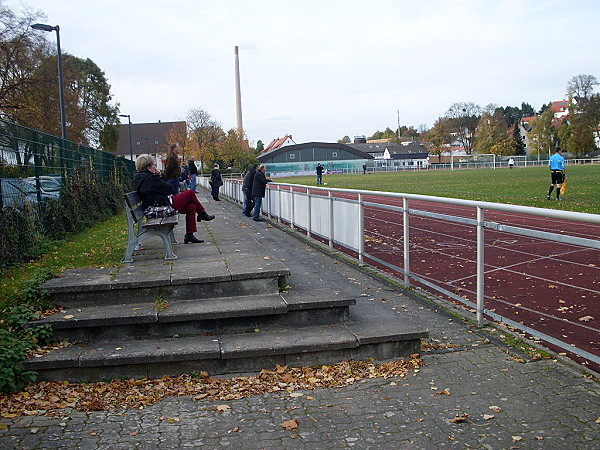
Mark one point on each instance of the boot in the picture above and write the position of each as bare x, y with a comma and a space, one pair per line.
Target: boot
191, 239
205, 216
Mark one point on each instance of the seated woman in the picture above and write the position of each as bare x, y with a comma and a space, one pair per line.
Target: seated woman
154, 191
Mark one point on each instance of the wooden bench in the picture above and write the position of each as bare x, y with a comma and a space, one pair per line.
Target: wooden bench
146, 228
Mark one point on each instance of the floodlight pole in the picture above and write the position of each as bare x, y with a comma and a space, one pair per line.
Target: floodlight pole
130, 144
63, 114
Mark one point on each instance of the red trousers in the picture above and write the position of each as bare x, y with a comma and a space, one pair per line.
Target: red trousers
187, 203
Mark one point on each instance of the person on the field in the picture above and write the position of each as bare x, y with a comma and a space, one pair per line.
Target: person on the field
557, 172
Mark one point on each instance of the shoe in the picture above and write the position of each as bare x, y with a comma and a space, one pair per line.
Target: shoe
217, 199
260, 219
205, 216
248, 215
548, 197
191, 239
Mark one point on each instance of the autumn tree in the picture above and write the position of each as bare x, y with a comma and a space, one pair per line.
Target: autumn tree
235, 151
21, 49
464, 118
543, 135
437, 138
206, 133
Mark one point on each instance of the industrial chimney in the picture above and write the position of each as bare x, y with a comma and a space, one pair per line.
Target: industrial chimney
238, 92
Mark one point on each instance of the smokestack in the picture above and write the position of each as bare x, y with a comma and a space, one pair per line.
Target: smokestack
238, 92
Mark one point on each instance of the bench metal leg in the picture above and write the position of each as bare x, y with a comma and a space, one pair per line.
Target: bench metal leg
166, 237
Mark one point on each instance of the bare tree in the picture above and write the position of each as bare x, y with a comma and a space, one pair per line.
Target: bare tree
581, 86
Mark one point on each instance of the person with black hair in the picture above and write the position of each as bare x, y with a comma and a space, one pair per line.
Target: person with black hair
557, 172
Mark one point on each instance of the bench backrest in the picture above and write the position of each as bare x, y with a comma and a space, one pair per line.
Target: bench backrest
134, 203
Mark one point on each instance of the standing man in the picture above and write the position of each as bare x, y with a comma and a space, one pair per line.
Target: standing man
247, 190
259, 186
193, 173
511, 162
557, 172
319, 174
364, 169
172, 168
215, 182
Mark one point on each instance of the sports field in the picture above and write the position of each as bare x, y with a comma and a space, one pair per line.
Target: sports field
551, 287
526, 186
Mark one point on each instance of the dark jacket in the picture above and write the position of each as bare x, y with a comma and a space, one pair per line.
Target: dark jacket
172, 168
215, 178
192, 168
259, 184
152, 189
248, 180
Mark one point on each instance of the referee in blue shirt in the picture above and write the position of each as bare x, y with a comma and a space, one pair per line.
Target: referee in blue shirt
557, 171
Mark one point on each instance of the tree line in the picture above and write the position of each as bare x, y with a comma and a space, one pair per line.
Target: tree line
495, 129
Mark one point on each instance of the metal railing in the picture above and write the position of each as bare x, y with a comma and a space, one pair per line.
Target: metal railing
337, 217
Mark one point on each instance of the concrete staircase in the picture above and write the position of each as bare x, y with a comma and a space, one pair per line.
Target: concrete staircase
156, 317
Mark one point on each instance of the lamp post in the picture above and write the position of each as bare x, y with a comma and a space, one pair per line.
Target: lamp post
130, 145
63, 115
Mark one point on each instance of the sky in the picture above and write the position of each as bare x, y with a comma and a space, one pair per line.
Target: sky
321, 70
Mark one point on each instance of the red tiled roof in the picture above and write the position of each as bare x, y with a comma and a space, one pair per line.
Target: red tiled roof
275, 144
559, 106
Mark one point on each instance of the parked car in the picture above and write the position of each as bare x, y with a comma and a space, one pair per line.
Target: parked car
17, 191
48, 184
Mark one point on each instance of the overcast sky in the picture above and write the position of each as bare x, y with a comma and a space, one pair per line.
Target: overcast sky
323, 69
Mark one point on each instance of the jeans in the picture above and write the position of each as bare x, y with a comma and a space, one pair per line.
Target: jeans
194, 182
257, 205
319, 179
248, 203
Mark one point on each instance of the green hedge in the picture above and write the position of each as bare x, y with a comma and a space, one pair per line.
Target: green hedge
26, 233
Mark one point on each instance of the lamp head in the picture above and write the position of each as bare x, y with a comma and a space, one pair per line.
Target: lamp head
44, 27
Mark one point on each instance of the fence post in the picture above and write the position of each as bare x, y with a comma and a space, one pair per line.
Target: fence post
292, 215
330, 219
308, 227
361, 230
480, 265
405, 226
279, 214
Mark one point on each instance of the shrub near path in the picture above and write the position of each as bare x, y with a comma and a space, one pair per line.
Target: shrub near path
526, 186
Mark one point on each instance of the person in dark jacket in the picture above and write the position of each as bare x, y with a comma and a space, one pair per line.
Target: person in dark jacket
154, 191
215, 182
247, 190
259, 186
193, 173
172, 168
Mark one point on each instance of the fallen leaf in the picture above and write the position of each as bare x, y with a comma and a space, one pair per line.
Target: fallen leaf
69, 316
223, 408
296, 394
488, 416
445, 392
290, 424
516, 438
495, 408
585, 318
234, 430
539, 438
266, 257
460, 419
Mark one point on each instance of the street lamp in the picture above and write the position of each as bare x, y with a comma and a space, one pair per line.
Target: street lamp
130, 145
63, 115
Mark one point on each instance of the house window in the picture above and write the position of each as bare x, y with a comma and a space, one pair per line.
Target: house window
155, 142
292, 156
137, 143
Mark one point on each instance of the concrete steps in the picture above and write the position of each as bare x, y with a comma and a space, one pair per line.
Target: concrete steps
221, 307
225, 354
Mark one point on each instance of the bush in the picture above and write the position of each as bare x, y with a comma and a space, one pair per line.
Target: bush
85, 199
16, 340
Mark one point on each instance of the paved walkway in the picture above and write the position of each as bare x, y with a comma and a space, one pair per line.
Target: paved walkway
542, 404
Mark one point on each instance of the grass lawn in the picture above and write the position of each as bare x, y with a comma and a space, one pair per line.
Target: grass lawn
520, 186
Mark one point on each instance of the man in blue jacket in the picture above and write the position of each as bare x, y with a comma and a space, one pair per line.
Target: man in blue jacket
557, 172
